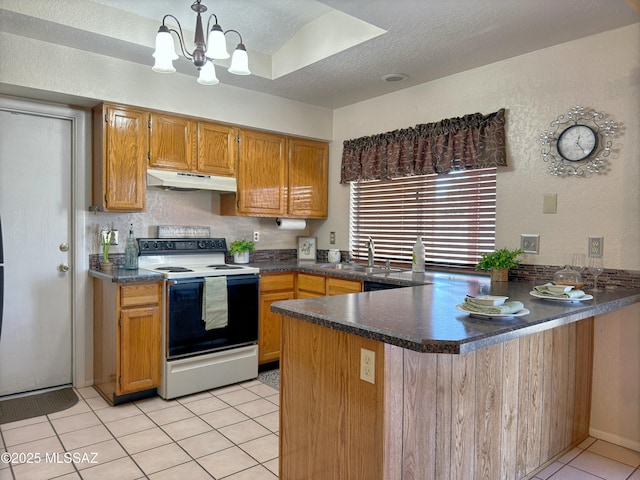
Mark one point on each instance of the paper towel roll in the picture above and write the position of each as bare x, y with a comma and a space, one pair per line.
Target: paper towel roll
291, 223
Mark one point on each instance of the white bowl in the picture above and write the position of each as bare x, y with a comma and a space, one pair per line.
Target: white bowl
490, 300
559, 289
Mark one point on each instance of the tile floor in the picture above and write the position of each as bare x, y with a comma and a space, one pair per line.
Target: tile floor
228, 433
594, 460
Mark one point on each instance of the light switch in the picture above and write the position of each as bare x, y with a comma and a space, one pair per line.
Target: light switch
550, 203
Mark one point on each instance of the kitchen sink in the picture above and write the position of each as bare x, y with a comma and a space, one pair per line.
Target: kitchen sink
351, 267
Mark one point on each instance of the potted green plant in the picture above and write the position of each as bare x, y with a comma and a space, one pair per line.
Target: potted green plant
499, 262
106, 235
240, 250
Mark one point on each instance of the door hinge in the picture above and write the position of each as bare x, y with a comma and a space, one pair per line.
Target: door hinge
120, 380
106, 198
105, 118
149, 123
238, 138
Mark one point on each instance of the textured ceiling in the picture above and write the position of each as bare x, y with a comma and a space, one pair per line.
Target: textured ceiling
424, 39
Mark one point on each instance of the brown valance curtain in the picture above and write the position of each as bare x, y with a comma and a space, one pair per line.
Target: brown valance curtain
469, 142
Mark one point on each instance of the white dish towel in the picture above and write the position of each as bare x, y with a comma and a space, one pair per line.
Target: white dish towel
214, 303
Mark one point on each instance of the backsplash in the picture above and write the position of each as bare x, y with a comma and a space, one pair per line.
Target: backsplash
609, 278
187, 208
264, 256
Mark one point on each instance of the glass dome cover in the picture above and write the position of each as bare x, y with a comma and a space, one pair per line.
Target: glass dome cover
567, 276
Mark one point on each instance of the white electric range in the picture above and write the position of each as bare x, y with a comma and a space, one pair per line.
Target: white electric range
210, 314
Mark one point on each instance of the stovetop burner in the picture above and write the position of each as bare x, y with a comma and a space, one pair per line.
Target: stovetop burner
225, 267
174, 269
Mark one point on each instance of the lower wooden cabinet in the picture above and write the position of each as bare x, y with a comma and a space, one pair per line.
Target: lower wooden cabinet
274, 287
310, 286
340, 286
127, 340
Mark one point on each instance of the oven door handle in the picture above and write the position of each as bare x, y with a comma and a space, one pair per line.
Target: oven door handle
185, 280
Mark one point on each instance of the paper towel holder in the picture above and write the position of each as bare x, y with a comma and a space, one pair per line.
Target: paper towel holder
291, 223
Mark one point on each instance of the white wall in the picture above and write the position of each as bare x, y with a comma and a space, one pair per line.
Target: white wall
69, 75
615, 409
601, 72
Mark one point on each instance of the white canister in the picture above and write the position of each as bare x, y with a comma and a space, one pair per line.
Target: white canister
418, 256
334, 255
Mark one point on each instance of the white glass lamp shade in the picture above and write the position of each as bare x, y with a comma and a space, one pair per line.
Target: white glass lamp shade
163, 65
165, 52
216, 44
240, 61
208, 75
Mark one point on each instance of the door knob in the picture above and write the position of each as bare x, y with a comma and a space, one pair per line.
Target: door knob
64, 267
64, 247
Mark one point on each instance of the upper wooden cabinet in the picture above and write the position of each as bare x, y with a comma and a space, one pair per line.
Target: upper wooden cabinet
172, 142
262, 174
308, 175
217, 149
186, 145
120, 145
279, 177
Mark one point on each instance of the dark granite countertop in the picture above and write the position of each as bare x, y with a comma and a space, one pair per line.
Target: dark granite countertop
424, 318
120, 275
403, 278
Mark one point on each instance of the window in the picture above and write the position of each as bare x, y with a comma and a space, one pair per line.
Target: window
454, 213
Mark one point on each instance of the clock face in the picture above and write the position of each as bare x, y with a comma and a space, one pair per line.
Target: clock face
577, 142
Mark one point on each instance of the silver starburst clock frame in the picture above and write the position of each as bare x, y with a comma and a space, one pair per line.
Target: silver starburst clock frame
579, 143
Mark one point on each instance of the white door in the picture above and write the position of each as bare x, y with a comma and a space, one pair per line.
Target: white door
35, 210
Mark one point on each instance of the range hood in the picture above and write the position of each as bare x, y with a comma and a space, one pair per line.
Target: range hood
189, 181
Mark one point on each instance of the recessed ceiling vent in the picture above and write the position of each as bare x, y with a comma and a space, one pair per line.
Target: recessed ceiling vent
395, 77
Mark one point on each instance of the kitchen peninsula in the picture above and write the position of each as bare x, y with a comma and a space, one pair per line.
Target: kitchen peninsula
454, 397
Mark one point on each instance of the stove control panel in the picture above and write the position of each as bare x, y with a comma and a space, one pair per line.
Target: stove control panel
164, 246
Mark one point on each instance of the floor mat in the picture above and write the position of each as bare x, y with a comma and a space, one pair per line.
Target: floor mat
35, 405
271, 378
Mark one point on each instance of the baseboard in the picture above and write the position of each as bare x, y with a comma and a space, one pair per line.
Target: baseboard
264, 367
615, 439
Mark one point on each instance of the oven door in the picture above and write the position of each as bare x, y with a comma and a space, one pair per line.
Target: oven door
186, 333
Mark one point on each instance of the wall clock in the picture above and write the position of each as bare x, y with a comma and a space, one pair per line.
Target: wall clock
579, 143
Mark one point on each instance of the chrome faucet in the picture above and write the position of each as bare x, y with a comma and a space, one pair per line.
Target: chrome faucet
371, 250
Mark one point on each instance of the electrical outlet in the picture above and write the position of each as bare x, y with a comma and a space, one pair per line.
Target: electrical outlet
595, 246
256, 236
332, 238
530, 243
367, 365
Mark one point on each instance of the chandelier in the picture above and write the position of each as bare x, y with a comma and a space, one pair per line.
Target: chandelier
204, 53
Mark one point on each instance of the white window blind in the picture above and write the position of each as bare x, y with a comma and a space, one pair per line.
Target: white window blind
454, 213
